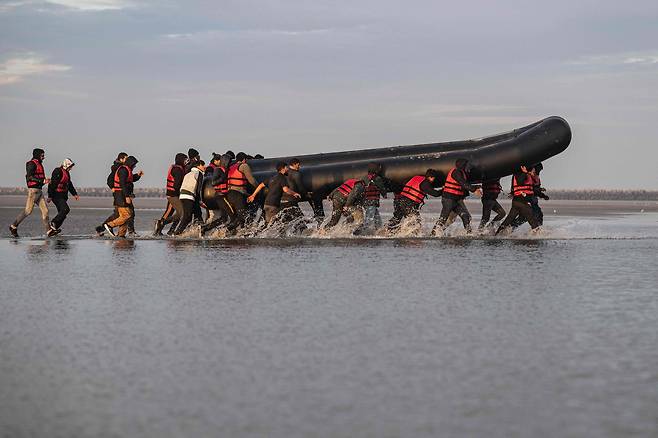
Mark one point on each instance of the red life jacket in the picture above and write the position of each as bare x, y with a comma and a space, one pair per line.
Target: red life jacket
347, 186
452, 186
235, 177
63, 185
221, 188
39, 173
491, 187
170, 177
524, 188
412, 190
117, 183
372, 191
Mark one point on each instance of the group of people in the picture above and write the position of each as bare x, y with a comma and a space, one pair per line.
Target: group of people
236, 196
59, 187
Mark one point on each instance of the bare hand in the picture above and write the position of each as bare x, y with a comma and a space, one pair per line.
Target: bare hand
77, 198
524, 169
297, 195
140, 173
46, 181
250, 199
129, 201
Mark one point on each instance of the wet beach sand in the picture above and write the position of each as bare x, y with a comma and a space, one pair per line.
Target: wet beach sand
550, 335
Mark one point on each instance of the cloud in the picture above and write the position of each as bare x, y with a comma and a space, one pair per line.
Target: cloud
16, 69
619, 59
80, 5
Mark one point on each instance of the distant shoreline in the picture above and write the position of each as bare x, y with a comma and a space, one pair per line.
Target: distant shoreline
576, 195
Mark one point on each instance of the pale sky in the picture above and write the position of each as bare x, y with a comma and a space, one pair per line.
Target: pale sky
89, 78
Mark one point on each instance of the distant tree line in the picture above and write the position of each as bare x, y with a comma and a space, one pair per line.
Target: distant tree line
585, 195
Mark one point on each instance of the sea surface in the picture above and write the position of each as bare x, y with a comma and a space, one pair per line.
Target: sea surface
549, 335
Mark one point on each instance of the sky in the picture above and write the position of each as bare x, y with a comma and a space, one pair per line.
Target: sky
90, 78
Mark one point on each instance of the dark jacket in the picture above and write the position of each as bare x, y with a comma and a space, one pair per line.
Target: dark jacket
295, 184
429, 189
54, 182
127, 187
178, 173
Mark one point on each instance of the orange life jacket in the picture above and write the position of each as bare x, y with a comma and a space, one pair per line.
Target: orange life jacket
524, 188
235, 177
39, 173
412, 190
63, 185
221, 188
452, 186
117, 183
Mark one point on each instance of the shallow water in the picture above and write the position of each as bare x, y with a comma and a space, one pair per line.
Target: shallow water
550, 336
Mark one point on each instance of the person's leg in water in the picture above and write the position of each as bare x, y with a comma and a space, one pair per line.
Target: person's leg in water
292, 214
188, 216
521, 208
487, 206
462, 211
196, 212
121, 221
172, 216
238, 202
448, 205
536, 210
131, 222
62, 211
338, 202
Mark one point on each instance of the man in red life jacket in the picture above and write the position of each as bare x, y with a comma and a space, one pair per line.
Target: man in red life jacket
174, 211
348, 198
58, 192
522, 191
455, 190
412, 197
240, 182
35, 177
123, 193
373, 220
539, 192
491, 188
120, 160
217, 174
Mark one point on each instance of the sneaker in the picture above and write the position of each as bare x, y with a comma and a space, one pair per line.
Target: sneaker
53, 232
13, 230
100, 231
109, 230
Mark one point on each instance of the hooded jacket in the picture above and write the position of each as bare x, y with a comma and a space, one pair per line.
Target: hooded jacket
127, 187
31, 168
56, 178
178, 173
192, 185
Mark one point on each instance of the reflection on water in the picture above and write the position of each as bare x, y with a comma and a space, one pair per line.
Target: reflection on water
329, 337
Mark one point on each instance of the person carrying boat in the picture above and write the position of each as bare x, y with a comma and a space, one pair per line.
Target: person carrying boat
277, 186
455, 189
240, 178
290, 204
412, 197
217, 174
190, 194
373, 219
58, 192
522, 191
539, 192
349, 197
491, 188
174, 209
35, 176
